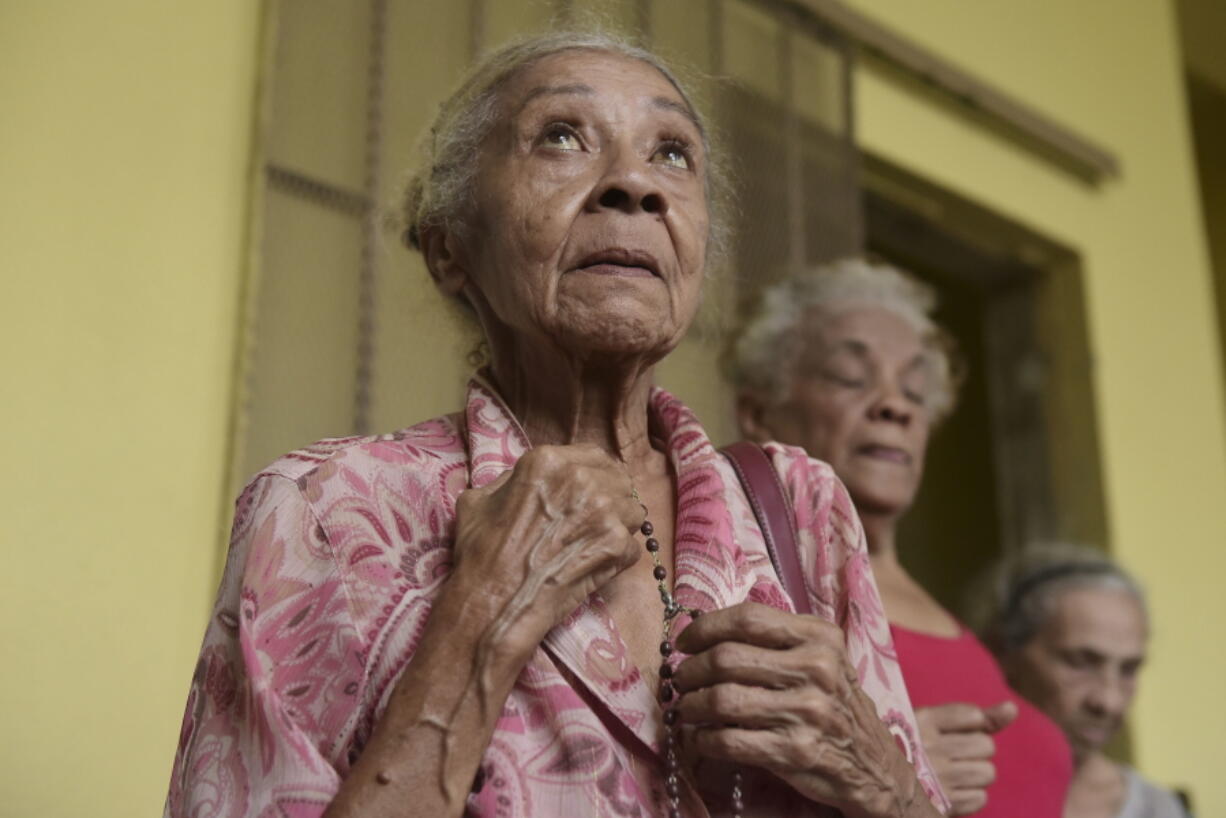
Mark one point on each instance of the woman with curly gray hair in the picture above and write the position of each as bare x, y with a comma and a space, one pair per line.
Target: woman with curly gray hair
1071, 629
497, 612
846, 362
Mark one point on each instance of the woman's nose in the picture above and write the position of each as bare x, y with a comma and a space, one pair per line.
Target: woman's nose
1108, 697
891, 406
627, 187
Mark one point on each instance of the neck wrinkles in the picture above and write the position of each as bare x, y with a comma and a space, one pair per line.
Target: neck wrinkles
560, 402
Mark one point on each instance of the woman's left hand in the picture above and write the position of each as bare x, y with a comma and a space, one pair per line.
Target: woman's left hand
775, 690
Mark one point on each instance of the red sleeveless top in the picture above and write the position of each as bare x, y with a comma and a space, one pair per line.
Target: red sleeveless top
1034, 765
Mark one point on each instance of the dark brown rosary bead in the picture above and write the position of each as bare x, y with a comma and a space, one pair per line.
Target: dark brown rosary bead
659, 572
653, 545
666, 648
666, 671
646, 528
666, 692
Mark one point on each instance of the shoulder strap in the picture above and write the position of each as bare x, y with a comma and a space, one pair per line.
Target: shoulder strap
770, 504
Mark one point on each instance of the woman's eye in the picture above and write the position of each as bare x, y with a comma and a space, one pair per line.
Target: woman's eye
1075, 660
843, 379
562, 137
915, 393
673, 154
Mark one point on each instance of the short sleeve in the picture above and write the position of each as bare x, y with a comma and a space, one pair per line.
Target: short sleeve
276, 687
842, 589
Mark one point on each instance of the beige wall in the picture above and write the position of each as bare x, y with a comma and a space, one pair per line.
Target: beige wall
123, 155
1112, 71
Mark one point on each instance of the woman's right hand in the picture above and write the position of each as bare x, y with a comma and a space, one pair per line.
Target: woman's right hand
529, 548
535, 543
958, 740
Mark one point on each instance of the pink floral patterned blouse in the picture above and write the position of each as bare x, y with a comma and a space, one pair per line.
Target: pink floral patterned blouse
336, 553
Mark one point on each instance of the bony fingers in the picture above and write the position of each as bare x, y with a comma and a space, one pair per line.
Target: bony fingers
632, 513
743, 664
758, 748
748, 622
824, 666
471, 498
802, 712
630, 553
613, 546
731, 703
467, 501
725, 662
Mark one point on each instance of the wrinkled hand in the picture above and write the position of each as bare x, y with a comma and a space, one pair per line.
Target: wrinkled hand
776, 690
958, 740
533, 544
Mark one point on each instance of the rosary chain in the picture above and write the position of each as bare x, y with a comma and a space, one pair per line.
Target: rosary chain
668, 693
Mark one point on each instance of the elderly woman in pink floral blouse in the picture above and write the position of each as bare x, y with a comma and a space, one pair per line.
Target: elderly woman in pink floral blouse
492, 612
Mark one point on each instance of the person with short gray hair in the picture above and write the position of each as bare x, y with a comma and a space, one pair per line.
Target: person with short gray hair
846, 361
767, 348
1071, 628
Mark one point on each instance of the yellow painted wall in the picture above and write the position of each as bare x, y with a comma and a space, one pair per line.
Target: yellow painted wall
123, 161
1110, 70
124, 146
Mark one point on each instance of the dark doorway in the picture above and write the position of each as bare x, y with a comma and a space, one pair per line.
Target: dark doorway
1000, 472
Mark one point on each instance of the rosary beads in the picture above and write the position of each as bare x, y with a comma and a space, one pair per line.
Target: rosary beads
668, 693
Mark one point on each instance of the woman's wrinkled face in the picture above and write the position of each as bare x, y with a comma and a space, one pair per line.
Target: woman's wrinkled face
590, 223
1081, 667
859, 400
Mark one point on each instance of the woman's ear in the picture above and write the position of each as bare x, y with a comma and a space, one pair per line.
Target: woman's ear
441, 251
751, 418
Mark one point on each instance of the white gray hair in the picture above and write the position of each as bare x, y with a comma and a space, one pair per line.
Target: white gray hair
439, 194
1023, 590
763, 355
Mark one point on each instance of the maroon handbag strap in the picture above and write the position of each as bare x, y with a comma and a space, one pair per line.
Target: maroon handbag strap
770, 504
